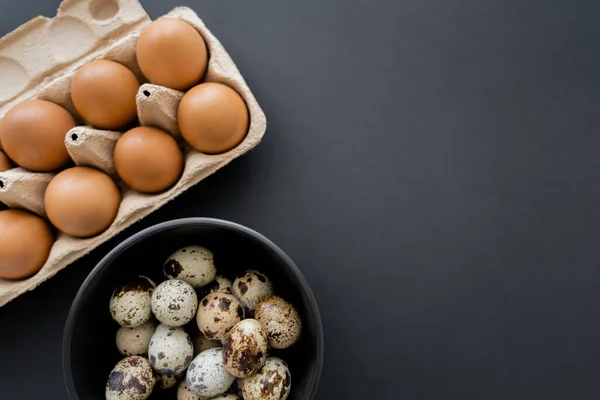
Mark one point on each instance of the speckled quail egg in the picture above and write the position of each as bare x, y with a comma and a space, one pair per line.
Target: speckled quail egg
131, 379
130, 304
166, 381
245, 348
217, 314
174, 302
280, 320
184, 393
207, 376
170, 350
202, 343
193, 264
251, 287
272, 382
135, 341
219, 285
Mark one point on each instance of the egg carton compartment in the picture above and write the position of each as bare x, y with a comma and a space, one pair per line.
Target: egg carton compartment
45, 49
107, 29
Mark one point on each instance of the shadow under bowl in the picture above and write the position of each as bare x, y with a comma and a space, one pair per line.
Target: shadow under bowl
89, 350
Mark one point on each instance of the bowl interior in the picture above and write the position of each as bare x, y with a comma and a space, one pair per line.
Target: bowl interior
89, 343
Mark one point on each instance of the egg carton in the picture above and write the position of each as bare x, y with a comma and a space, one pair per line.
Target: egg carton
38, 59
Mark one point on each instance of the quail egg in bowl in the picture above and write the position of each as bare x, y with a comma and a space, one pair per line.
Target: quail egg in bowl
90, 353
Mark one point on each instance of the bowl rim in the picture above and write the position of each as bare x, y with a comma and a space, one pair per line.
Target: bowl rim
154, 229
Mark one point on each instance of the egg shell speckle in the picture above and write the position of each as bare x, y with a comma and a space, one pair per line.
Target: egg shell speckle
131, 379
272, 382
193, 264
171, 350
174, 302
183, 393
219, 285
217, 314
135, 341
207, 376
251, 287
202, 343
165, 381
280, 320
245, 348
130, 304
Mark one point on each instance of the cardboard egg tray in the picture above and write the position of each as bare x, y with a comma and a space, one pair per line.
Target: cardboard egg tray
38, 59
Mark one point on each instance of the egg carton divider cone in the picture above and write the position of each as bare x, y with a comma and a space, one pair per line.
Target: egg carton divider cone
38, 59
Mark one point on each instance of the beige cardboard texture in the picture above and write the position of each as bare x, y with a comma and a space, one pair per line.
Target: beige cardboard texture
38, 59
91, 147
24, 189
157, 107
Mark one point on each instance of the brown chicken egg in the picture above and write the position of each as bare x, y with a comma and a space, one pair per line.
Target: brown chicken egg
25, 243
103, 93
5, 163
148, 159
171, 53
82, 201
213, 118
33, 135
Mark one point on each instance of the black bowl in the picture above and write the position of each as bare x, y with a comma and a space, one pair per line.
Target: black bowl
89, 351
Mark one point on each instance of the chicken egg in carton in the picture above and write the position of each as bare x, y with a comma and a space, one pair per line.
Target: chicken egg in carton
38, 60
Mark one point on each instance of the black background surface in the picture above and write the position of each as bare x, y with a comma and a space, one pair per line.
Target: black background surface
432, 167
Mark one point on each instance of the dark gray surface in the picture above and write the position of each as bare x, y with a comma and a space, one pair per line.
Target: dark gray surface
431, 165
